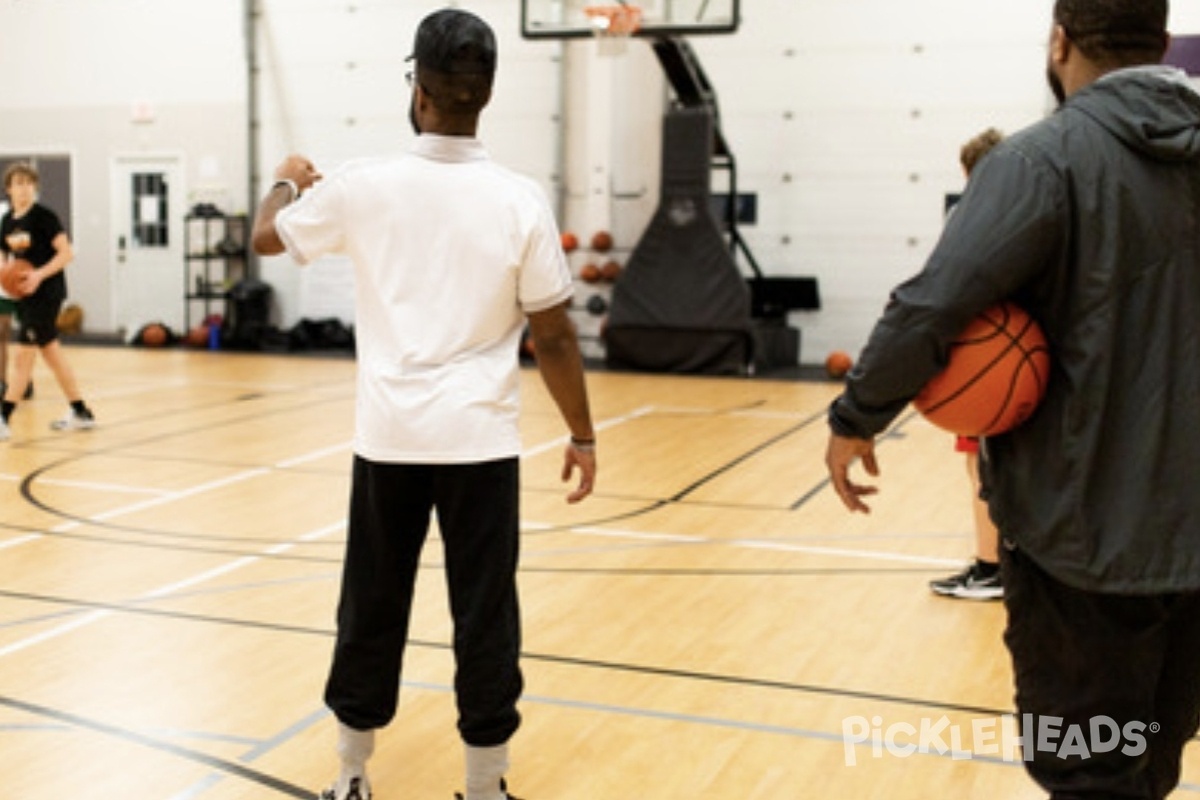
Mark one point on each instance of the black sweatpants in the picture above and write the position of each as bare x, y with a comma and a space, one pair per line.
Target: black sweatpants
1115, 675
477, 512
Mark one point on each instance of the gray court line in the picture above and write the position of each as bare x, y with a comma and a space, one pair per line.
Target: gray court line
41, 618
227, 767
895, 432
46, 727
754, 727
259, 750
204, 736
284, 736
144, 601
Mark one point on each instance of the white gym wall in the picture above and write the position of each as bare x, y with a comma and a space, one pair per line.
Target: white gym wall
845, 118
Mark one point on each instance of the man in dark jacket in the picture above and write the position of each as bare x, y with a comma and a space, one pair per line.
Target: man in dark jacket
1089, 219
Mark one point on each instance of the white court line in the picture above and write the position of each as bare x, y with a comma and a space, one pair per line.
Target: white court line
315, 455
20, 540
173, 496
531, 451
54, 633
164, 591
642, 535
605, 425
161, 497
879, 555
763, 544
158, 500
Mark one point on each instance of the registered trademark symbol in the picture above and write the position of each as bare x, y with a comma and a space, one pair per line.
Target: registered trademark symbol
1155, 727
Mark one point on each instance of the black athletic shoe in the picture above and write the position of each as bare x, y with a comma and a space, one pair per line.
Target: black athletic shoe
28, 392
970, 584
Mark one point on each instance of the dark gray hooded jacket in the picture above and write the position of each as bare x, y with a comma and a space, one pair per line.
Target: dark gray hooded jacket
1090, 220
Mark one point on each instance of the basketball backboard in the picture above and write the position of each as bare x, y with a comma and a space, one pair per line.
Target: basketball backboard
568, 19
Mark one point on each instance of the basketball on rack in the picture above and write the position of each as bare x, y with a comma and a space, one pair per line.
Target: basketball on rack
197, 336
995, 377
12, 275
154, 334
602, 241
837, 364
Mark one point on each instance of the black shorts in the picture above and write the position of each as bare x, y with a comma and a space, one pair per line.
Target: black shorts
38, 317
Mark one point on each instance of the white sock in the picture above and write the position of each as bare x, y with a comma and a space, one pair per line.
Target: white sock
354, 748
485, 767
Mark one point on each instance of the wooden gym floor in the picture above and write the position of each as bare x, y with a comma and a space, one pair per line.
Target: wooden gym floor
711, 624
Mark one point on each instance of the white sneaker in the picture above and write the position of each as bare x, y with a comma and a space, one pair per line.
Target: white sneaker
75, 421
4, 432
355, 791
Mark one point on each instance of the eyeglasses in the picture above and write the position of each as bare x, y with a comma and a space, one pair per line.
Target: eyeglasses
413, 80
410, 78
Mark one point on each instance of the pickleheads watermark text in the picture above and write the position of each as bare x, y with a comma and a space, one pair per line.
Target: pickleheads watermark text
993, 737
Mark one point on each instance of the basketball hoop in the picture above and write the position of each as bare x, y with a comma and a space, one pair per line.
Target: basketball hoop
612, 25
614, 20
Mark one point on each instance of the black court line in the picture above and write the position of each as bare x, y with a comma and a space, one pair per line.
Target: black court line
679, 497
682, 494
27, 493
547, 658
182, 548
228, 767
118, 451
895, 432
40, 442
757, 449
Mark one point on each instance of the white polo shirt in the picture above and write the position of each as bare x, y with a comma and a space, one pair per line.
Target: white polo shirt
450, 251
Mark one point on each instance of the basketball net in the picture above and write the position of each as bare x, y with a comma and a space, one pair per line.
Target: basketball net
612, 25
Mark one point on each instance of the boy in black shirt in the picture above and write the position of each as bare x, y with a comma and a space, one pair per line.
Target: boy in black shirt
34, 233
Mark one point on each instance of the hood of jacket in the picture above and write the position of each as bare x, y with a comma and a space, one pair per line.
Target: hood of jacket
1153, 109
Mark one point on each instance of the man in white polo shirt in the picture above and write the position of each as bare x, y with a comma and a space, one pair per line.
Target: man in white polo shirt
453, 255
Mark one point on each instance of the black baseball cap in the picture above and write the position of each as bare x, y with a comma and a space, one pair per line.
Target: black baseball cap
455, 42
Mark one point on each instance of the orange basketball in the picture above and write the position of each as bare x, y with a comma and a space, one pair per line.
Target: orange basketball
569, 241
70, 319
11, 275
197, 336
995, 377
610, 270
837, 364
154, 335
590, 273
602, 241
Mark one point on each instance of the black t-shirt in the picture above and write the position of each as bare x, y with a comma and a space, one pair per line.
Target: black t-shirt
43, 226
